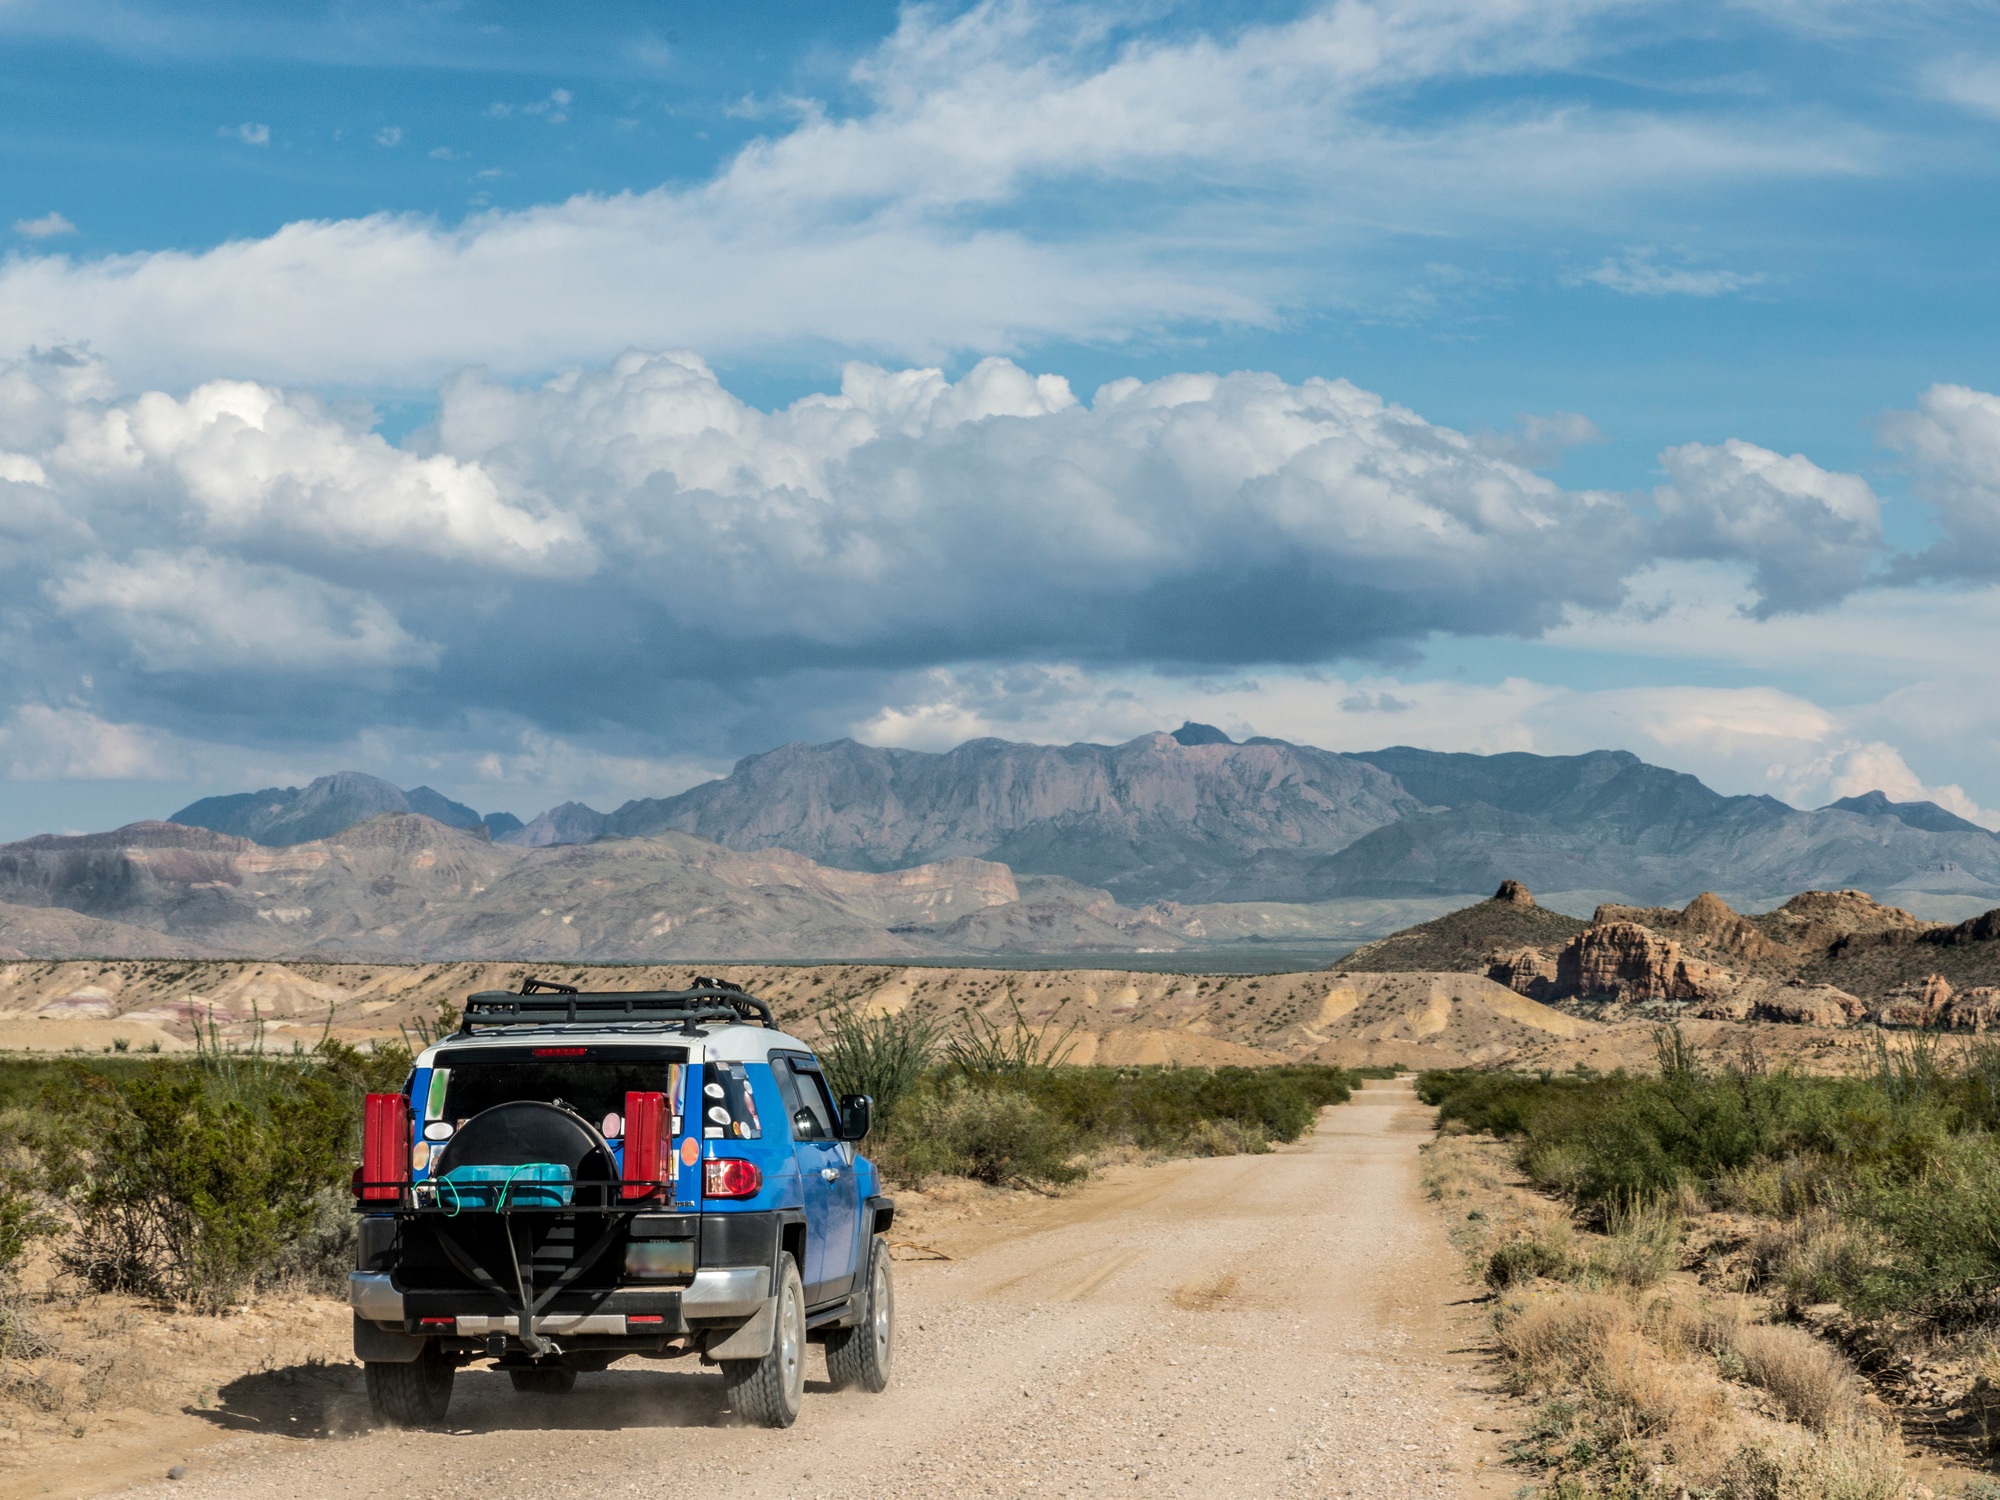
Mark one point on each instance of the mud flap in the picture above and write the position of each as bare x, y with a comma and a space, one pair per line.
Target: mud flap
376, 1345
752, 1340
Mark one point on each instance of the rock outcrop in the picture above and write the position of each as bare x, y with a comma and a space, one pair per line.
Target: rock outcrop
1808, 1005
1630, 962
1525, 971
1514, 894
1911, 1006
1975, 1009
1707, 928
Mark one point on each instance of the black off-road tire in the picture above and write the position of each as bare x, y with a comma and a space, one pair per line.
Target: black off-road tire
417, 1394
858, 1358
769, 1391
548, 1380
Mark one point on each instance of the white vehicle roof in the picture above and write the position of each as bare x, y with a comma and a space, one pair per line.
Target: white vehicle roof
721, 1041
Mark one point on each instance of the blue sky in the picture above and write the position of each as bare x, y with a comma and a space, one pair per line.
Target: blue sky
482, 395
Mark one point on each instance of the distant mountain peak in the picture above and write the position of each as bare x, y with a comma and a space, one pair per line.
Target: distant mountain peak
1925, 815
280, 816
1192, 733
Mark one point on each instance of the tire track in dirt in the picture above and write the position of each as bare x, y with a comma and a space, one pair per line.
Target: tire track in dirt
1280, 1325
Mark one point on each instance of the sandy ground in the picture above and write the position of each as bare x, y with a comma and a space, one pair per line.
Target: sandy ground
1293, 1324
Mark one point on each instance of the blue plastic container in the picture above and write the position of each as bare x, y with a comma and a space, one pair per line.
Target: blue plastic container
539, 1184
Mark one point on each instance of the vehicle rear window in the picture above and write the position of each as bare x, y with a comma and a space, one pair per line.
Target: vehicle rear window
728, 1107
594, 1087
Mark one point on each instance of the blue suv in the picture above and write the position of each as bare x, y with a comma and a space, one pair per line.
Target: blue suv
571, 1178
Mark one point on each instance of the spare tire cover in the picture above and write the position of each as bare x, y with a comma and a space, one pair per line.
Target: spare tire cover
527, 1130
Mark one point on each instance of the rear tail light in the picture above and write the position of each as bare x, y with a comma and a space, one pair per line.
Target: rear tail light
385, 1148
632, 1318
438, 1322
647, 1164
728, 1178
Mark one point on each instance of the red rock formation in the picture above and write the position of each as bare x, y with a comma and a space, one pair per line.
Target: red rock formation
1705, 923
1514, 894
1634, 963
1525, 971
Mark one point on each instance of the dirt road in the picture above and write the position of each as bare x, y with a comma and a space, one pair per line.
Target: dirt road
1278, 1325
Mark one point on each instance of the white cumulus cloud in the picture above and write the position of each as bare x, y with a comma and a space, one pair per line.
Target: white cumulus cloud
1812, 534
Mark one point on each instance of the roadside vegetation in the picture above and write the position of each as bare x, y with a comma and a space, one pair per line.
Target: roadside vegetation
999, 1101
1691, 1253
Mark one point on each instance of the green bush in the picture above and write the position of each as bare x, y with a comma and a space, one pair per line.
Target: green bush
190, 1178
1523, 1260
1192, 1111
997, 1136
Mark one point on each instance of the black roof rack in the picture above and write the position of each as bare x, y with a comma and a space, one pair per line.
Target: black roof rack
543, 1004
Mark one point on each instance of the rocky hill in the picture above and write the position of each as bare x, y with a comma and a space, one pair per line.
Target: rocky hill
1826, 958
403, 886
1467, 940
289, 815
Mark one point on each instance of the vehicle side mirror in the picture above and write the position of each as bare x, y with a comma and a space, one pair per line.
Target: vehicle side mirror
857, 1113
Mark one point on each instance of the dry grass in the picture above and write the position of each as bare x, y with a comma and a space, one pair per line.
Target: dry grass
1774, 1189
1814, 1385
1643, 1243
1649, 1383
1456, 1168
72, 1368
1640, 1369
1553, 1342
1862, 1463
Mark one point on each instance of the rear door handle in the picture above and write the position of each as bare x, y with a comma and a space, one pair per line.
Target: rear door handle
828, 1174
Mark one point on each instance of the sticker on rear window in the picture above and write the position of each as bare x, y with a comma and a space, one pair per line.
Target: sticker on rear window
729, 1108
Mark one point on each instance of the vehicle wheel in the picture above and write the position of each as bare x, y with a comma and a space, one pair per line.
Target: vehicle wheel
416, 1394
547, 1380
768, 1391
859, 1356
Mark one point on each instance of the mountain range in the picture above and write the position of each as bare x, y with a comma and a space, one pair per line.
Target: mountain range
1198, 819
405, 887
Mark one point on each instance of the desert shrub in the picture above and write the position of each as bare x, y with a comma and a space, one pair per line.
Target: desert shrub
1813, 1384
1555, 1343
1180, 1109
1642, 1243
1940, 1235
188, 1179
319, 1257
1864, 1463
1778, 1188
1224, 1138
884, 1057
997, 1136
1548, 1251
986, 1052
1191, 1111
